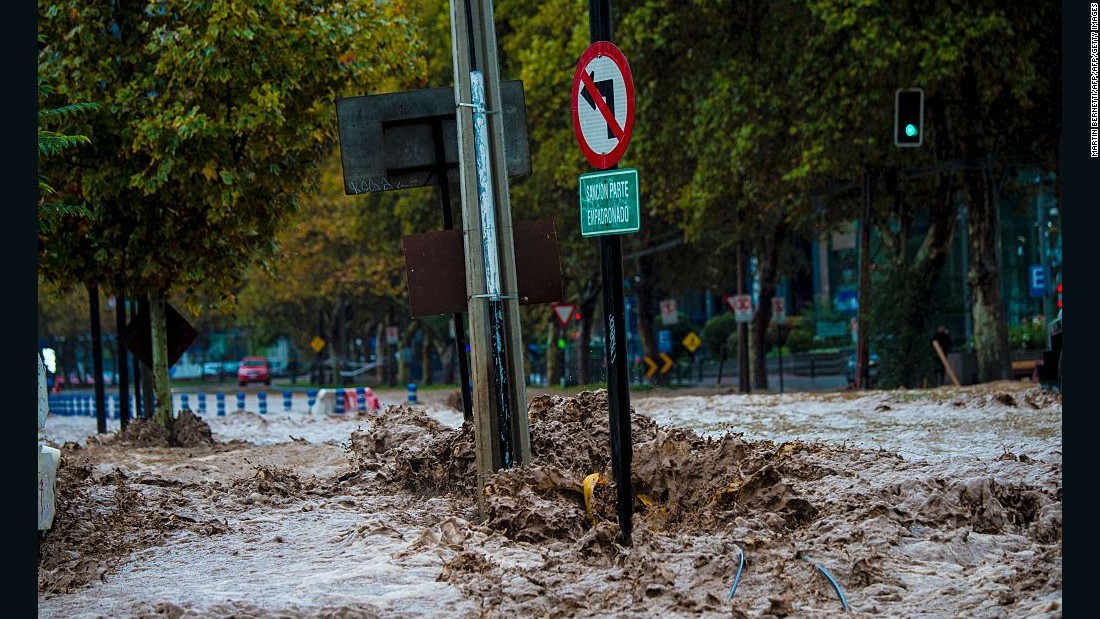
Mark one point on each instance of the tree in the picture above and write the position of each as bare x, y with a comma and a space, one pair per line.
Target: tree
54, 143
217, 115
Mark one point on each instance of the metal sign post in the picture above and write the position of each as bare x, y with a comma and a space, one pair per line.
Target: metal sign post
603, 124
501, 429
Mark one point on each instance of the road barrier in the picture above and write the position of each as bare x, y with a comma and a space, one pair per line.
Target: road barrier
339, 401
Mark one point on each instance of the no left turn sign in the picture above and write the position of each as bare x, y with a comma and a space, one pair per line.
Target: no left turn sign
602, 101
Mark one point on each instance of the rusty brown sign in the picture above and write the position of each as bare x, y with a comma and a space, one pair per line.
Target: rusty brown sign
435, 268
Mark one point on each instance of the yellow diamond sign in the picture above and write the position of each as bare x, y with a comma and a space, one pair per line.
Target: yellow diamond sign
317, 344
691, 341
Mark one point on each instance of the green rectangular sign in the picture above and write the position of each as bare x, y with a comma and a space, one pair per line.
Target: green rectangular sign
609, 202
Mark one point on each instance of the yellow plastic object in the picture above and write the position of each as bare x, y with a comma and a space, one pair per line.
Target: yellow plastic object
589, 485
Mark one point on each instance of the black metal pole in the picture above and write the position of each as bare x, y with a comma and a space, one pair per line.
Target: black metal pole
448, 224
618, 389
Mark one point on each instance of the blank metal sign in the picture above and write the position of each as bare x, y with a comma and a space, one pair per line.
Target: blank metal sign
387, 141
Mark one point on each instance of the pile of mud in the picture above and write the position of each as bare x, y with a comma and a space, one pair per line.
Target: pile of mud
681, 480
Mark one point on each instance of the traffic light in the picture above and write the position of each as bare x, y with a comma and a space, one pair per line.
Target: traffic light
909, 117
1058, 288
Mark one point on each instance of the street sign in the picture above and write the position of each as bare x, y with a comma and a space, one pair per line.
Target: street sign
668, 312
779, 310
664, 340
667, 365
602, 102
691, 342
653, 367
564, 312
388, 141
609, 202
741, 304
137, 338
1038, 281
316, 344
435, 268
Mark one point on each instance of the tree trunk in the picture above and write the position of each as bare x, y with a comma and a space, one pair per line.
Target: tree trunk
554, 360
122, 364
769, 274
158, 333
97, 358
587, 307
646, 329
743, 372
425, 355
983, 227
990, 328
380, 353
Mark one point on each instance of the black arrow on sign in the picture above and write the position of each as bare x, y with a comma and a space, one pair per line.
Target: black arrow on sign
607, 91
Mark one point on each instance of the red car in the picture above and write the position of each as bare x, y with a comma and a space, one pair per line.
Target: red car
254, 370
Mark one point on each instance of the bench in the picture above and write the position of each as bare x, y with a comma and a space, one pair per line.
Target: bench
1025, 368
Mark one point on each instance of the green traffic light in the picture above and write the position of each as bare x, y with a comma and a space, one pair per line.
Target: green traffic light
910, 130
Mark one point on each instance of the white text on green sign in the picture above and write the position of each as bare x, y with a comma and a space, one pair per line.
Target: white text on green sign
609, 202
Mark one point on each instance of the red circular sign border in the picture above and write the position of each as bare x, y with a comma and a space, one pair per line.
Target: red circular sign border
603, 48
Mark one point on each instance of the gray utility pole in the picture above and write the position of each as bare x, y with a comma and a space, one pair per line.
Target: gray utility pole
501, 430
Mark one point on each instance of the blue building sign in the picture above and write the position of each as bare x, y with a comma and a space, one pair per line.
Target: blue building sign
664, 341
1039, 280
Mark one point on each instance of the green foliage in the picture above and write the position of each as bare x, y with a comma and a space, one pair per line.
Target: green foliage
898, 327
720, 331
52, 144
216, 116
1028, 336
802, 337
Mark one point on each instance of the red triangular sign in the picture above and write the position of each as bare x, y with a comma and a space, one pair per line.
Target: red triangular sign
564, 312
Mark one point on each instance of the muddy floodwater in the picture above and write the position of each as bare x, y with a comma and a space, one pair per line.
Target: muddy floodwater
889, 504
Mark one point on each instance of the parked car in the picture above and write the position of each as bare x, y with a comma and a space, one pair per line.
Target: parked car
872, 369
254, 370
